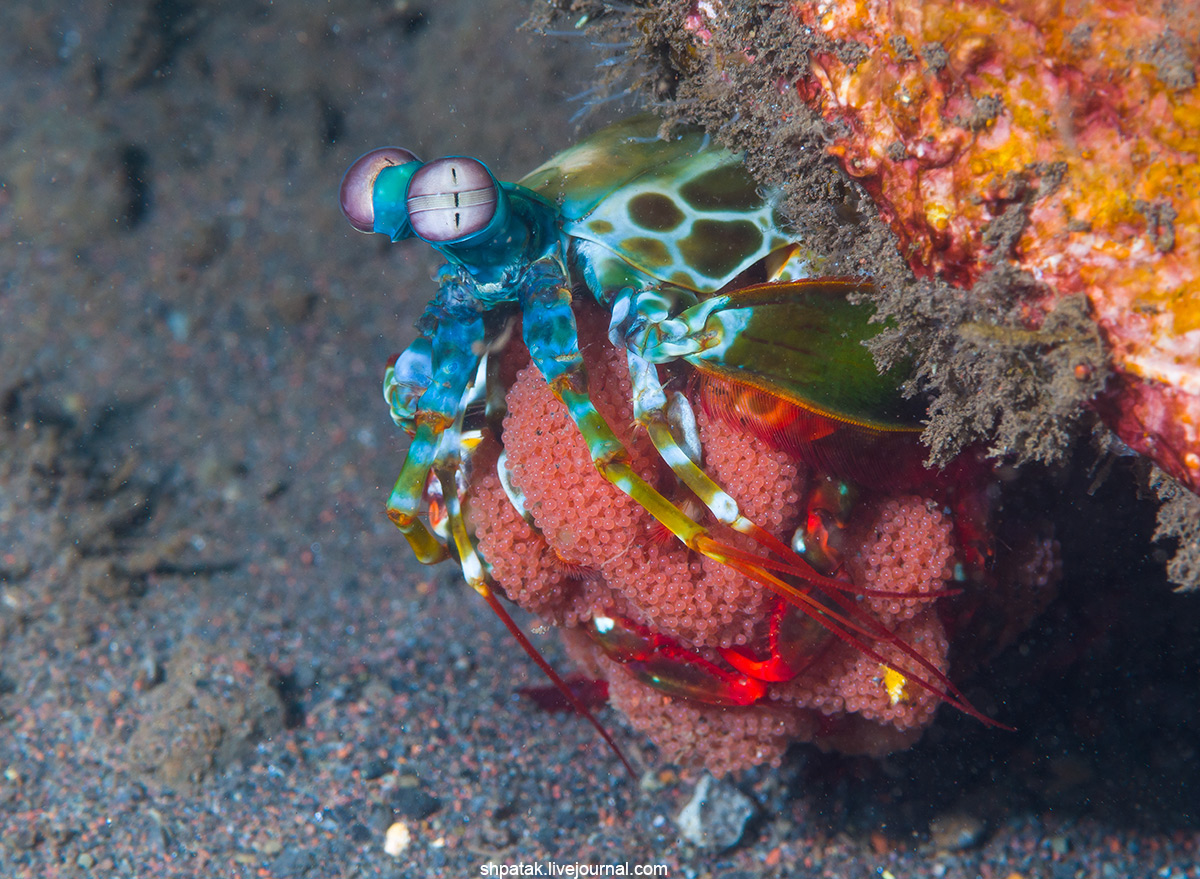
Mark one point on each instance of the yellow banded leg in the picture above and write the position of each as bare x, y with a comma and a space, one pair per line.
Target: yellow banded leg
404, 503
553, 343
850, 624
476, 575
650, 408
454, 327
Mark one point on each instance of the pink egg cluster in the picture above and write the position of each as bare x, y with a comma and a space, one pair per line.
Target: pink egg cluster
596, 550
909, 554
584, 549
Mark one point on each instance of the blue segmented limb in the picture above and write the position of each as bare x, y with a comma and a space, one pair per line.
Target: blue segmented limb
703, 330
553, 341
454, 324
407, 379
651, 320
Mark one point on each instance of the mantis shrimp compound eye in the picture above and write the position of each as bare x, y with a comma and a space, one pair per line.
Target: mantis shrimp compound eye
451, 199
357, 192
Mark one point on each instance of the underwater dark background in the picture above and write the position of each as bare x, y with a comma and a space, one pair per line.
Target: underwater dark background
217, 657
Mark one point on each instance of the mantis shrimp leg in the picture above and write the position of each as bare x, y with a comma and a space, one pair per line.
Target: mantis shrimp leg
671, 427
436, 371
452, 327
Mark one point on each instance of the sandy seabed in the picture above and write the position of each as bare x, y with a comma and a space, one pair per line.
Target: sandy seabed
218, 658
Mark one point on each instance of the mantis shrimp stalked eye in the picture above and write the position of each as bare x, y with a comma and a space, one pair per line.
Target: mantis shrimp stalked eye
610, 337
357, 192
451, 199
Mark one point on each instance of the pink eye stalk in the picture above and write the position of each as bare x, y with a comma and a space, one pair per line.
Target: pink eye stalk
451, 199
358, 185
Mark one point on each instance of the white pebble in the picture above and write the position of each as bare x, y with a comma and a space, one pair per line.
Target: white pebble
397, 839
